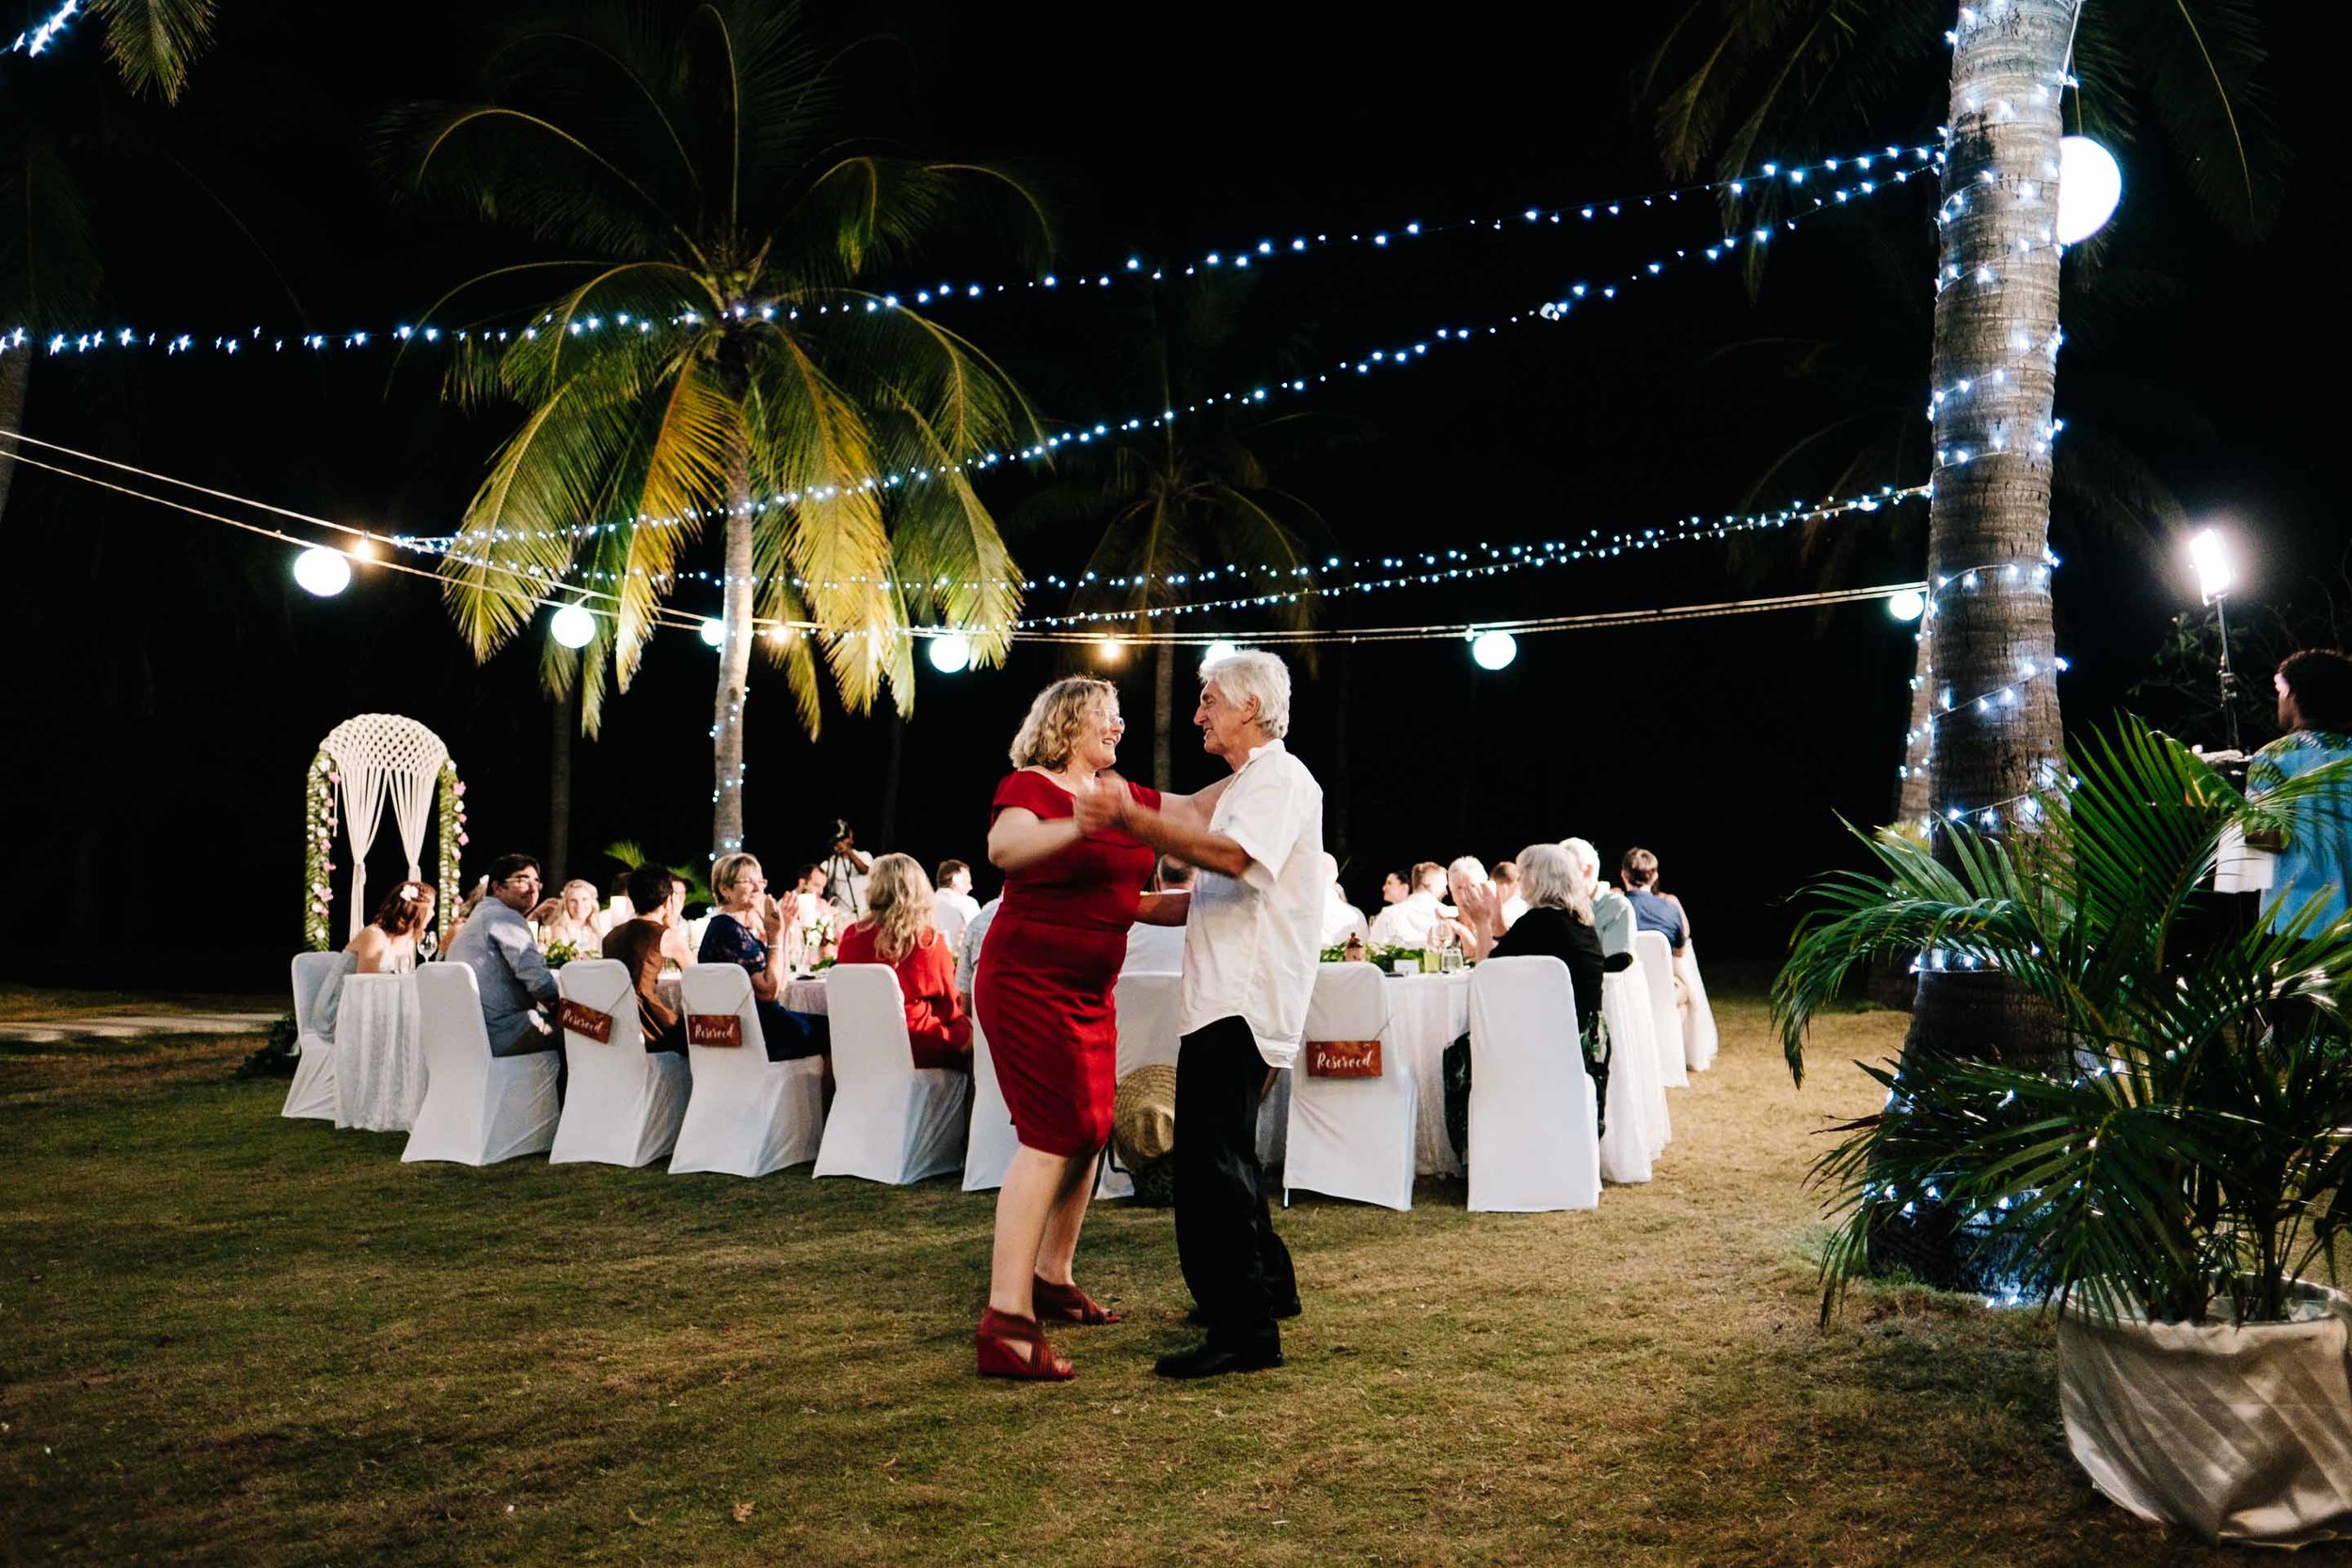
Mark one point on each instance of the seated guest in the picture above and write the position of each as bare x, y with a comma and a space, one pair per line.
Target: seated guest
1394, 889
571, 919
1159, 949
814, 930
1450, 929
1612, 917
1507, 882
953, 907
656, 936
1652, 910
465, 907
896, 930
1406, 923
1341, 919
749, 928
513, 979
1558, 925
385, 945
968, 950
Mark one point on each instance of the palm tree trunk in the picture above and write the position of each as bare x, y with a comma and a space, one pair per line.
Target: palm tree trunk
1164, 717
16, 370
565, 709
1914, 800
735, 663
1995, 728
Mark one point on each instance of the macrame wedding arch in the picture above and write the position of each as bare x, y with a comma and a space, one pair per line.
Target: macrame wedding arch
364, 763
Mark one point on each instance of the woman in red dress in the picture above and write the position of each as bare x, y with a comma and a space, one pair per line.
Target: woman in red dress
1042, 989
898, 931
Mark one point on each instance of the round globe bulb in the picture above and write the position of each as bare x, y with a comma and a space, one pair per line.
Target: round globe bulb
572, 627
2090, 182
951, 653
1909, 605
321, 571
1216, 651
715, 633
1494, 650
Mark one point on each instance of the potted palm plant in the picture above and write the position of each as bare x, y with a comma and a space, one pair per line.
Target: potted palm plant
2164, 1170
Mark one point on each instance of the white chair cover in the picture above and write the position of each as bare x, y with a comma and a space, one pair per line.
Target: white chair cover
2237, 869
1150, 1007
989, 1143
623, 1103
1633, 1047
1352, 1137
1698, 1019
1531, 1110
311, 1096
1656, 959
892, 1122
379, 1054
479, 1109
748, 1116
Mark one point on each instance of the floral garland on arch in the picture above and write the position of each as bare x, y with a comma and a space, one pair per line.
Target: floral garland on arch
320, 820
318, 848
450, 815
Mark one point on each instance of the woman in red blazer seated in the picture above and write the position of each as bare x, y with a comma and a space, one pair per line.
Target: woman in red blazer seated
896, 930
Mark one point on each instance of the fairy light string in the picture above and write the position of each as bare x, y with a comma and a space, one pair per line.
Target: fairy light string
1867, 170
39, 37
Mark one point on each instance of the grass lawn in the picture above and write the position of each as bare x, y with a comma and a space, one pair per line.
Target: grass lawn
230, 1339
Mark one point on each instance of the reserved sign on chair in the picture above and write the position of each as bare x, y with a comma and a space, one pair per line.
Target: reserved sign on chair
581, 1018
722, 1029
1342, 1059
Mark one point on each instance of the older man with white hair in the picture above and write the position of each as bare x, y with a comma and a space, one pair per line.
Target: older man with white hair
1612, 916
1250, 947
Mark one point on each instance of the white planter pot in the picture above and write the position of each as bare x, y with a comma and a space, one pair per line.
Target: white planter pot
2239, 1433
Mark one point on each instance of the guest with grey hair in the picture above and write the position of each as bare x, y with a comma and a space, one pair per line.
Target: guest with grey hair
1613, 914
1558, 925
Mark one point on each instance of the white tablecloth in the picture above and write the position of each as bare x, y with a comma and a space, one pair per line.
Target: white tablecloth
1427, 1013
804, 996
379, 1054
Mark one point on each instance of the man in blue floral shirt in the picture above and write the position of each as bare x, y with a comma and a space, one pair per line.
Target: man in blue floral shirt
2315, 710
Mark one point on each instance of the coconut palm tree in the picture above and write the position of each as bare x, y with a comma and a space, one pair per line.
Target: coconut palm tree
1174, 508
1731, 73
49, 268
718, 354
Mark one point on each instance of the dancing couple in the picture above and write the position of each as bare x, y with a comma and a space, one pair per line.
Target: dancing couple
1075, 843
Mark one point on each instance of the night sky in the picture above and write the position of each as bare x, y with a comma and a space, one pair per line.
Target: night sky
170, 682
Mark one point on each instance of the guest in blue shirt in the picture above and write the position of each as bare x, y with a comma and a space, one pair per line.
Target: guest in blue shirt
1652, 910
2314, 860
496, 942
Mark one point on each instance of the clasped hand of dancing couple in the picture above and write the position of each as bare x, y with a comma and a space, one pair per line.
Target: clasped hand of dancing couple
1076, 845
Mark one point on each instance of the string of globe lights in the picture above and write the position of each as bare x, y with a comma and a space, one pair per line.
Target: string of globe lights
1893, 162
322, 570
325, 571
39, 37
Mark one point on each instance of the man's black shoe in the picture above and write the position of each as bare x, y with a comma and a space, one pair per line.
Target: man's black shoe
1212, 1360
1199, 1319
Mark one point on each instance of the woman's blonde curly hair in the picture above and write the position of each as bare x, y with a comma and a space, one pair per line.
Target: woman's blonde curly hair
1050, 732
898, 903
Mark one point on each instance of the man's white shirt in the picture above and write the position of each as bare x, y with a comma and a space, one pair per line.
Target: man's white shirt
1251, 941
1406, 923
